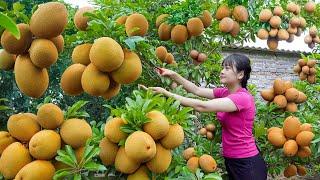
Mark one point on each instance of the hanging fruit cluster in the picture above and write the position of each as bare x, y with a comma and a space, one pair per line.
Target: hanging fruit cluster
208, 131
164, 55
198, 58
206, 162
306, 70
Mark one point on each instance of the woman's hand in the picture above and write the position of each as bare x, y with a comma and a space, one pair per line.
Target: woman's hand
159, 90
165, 72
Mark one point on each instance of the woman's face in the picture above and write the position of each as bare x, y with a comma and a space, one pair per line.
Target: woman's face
230, 76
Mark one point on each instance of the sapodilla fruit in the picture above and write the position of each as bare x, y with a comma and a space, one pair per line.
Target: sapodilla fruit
140, 146
23, 126
291, 94
312, 71
278, 86
263, 34
124, 163
274, 129
37, 169
161, 161
292, 30
291, 7
291, 107
290, 148
93, 81
164, 32
283, 34
195, 26
173, 138
222, 12
49, 20
306, 127
272, 43
13, 158
303, 23
290, 171
161, 52
276, 138
75, 132
275, 21
43, 53
179, 34
106, 54
112, 130
121, 20
302, 76
297, 69
80, 20
206, 18
37, 81
140, 174
136, 25
158, 127
5, 140
7, 60
280, 101
310, 6
71, 79
313, 31
291, 127
304, 138
58, 42
302, 62
305, 69
45, 144
288, 85
210, 127
169, 58
160, 19
130, 70
226, 25
308, 39
265, 15
207, 163
311, 79
235, 29
108, 151
240, 13
203, 131
295, 21
273, 32
50, 116
278, 11
311, 63
193, 164
194, 54
301, 98
188, 153
304, 152
80, 54
15, 46
302, 171
113, 90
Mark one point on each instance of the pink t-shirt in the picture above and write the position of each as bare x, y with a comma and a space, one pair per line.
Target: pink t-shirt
237, 137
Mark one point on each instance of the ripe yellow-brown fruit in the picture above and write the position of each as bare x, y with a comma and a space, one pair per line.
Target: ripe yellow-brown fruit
164, 32
291, 94
112, 130
161, 161
15, 46
13, 158
304, 152
113, 90
7, 60
210, 127
124, 163
263, 34
283, 34
93, 81
275, 21
136, 25
71, 79
169, 58
43, 53
161, 52
306, 127
121, 20
58, 42
273, 32
80, 54
75, 132
272, 43
304, 138
179, 34
303, 23
235, 29
311, 63
308, 39
5, 140
301, 98
303, 76
49, 20
37, 169
140, 146
288, 85
290, 148
45, 144
291, 7
274, 129
279, 87
209, 135
313, 31
23, 126
240, 13
158, 127
174, 137
276, 138
193, 164
108, 151
206, 18
305, 69
203, 131
160, 19
226, 25
81, 21
50, 116
207, 163
297, 69
295, 21
265, 15
37, 81
290, 171
292, 30
130, 70
278, 11
312, 71
311, 79
106, 54
302, 171
310, 6
140, 174
188, 153
222, 12
195, 26
280, 101
291, 107
291, 127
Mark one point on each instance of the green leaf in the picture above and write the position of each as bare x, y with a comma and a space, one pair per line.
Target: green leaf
3, 108
9, 25
92, 166
71, 153
77, 177
213, 176
61, 173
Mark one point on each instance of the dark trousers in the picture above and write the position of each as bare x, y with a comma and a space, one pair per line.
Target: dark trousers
251, 168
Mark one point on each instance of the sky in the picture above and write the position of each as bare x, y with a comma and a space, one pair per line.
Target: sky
297, 45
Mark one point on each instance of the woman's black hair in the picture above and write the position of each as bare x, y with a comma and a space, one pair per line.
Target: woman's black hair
241, 63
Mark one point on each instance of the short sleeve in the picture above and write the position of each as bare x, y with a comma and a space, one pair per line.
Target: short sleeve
241, 100
219, 92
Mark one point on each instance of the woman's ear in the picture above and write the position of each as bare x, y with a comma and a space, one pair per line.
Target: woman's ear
240, 75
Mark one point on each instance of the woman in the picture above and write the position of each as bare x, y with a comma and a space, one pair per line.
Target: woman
235, 111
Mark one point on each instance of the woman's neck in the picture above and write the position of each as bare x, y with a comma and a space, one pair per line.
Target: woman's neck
233, 88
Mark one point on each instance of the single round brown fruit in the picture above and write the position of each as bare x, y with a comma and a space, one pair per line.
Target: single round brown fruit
275, 21
222, 12
179, 34
240, 13
290, 148
278, 11
263, 34
81, 21
195, 26
226, 25
194, 54
265, 15
136, 25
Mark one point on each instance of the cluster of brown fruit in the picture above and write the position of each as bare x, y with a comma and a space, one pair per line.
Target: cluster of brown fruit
198, 58
312, 38
37, 49
100, 68
284, 95
164, 56
32, 141
181, 33
208, 131
143, 151
227, 24
306, 70
205, 162
136, 24
293, 170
